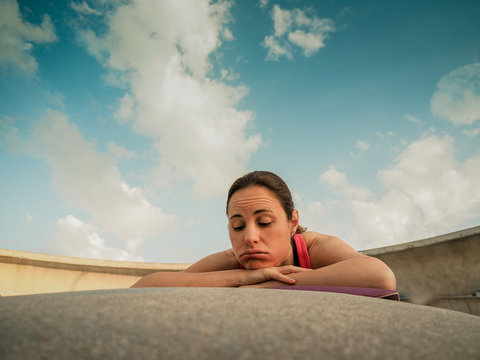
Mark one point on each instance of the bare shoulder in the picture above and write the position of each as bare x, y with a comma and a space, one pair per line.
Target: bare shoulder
326, 249
314, 239
223, 260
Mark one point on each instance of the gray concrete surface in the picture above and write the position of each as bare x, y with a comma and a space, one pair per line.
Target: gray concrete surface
229, 323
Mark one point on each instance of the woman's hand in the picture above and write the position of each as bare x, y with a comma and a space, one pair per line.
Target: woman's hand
279, 274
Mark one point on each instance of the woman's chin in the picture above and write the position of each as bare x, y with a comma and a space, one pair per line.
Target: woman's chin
256, 264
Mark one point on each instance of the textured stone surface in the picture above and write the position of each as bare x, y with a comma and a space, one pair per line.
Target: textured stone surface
208, 323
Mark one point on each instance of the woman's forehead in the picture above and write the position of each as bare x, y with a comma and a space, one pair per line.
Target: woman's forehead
253, 198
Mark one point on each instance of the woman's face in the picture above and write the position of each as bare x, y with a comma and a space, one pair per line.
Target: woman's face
259, 229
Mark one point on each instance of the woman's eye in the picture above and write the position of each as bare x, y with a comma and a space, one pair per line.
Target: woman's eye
238, 228
264, 224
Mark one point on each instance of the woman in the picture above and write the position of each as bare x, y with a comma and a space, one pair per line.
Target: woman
269, 248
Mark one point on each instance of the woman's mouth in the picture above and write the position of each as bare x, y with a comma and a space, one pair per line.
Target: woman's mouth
251, 254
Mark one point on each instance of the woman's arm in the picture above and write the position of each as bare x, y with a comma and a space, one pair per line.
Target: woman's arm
217, 270
225, 278
361, 271
336, 263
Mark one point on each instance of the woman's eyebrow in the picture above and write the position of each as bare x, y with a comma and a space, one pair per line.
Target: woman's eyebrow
256, 212
259, 211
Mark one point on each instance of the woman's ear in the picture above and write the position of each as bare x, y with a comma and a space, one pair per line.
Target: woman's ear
294, 222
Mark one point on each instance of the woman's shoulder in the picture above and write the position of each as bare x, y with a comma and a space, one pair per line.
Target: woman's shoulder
316, 239
326, 249
313, 238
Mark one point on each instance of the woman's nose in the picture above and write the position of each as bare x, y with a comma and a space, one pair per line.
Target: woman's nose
251, 235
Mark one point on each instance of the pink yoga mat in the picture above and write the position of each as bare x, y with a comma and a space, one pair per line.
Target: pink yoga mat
370, 292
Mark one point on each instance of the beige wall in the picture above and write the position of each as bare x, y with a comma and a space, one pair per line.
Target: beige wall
31, 273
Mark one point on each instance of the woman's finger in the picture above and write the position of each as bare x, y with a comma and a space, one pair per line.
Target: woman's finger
274, 274
290, 269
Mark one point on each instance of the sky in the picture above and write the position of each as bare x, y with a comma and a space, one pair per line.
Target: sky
123, 123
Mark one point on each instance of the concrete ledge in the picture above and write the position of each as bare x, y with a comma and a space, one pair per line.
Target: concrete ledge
226, 323
432, 241
447, 265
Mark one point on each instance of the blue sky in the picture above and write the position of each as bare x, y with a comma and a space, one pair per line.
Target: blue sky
123, 123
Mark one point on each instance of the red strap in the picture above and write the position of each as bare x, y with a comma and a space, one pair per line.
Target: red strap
302, 252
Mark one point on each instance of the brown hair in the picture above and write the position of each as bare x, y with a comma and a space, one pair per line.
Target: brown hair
270, 181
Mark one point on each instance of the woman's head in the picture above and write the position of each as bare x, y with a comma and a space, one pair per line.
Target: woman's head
272, 182
261, 220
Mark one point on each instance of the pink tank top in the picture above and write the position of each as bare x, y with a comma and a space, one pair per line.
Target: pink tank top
300, 253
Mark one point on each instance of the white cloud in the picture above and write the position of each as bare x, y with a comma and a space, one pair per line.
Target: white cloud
10, 136
311, 213
56, 99
28, 219
338, 181
297, 197
120, 152
428, 174
227, 34
328, 216
458, 95
383, 135
229, 75
310, 43
126, 110
282, 21
89, 181
19, 36
299, 28
275, 49
472, 132
83, 8
263, 3
428, 193
362, 145
412, 119
79, 239
162, 48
